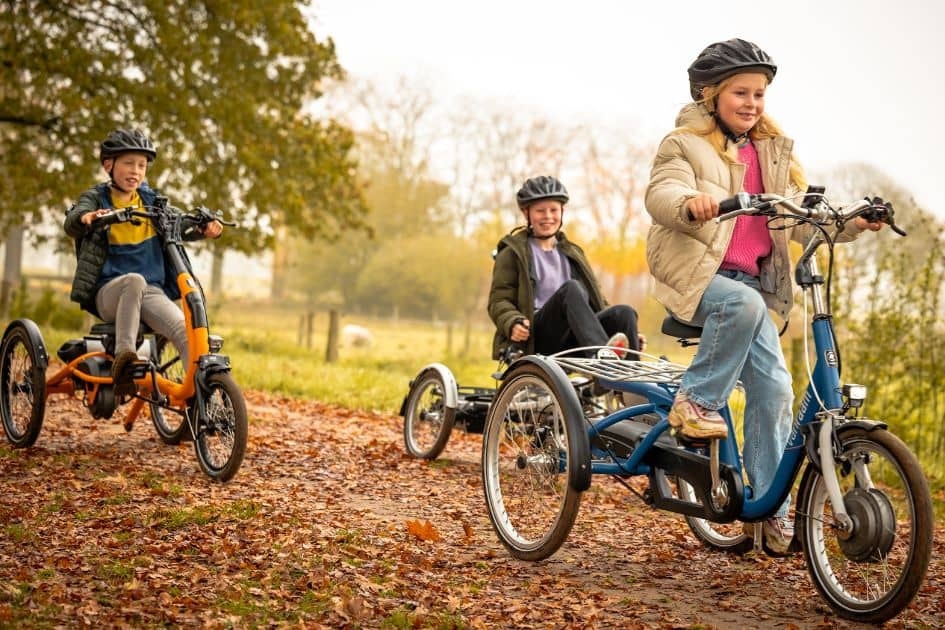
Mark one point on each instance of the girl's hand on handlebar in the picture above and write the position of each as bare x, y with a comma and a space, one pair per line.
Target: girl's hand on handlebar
520, 331
863, 224
702, 208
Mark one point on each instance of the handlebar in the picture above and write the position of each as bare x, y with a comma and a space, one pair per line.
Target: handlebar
198, 217
818, 210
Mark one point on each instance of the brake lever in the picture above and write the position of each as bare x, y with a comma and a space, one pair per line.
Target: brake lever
208, 215
883, 211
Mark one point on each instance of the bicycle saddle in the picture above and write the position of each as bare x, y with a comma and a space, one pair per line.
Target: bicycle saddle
675, 328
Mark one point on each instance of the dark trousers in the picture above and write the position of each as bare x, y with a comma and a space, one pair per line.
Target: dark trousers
567, 321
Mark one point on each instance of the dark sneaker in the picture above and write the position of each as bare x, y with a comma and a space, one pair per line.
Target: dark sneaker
122, 372
778, 532
696, 422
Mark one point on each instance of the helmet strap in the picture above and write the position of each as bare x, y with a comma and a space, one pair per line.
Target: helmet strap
531, 232
740, 139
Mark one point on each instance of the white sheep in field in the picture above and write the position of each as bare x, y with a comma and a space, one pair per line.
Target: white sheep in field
358, 336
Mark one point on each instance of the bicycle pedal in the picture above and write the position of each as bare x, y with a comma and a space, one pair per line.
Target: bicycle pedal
138, 369
689, 442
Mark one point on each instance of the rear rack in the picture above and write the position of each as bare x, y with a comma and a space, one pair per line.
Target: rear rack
648, 368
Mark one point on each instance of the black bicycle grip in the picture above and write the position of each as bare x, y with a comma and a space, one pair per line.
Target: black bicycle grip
738, 202
732, 204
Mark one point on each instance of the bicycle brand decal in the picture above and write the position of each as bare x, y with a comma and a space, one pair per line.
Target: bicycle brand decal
831, 357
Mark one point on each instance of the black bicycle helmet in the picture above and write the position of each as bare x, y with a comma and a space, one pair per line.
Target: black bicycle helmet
723, 59
124, 141
541, 187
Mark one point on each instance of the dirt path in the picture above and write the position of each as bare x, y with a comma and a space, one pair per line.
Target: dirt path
107, 528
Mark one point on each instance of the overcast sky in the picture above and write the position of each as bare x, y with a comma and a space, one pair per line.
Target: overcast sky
858, 80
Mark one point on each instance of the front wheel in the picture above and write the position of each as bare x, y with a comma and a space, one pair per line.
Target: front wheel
222, 430
525, 458
872, 571
22, 383
428, 419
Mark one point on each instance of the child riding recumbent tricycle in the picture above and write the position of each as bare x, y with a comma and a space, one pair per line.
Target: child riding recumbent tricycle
199, 401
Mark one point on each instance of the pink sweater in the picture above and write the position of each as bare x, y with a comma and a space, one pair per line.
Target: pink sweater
750, 240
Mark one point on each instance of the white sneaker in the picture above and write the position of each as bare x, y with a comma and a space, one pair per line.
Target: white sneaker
619, 340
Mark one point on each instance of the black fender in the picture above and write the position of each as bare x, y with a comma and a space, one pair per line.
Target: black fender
36, 340
813, 451
579, 451
209, 364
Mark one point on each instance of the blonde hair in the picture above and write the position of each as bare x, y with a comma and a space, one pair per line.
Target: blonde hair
765, 128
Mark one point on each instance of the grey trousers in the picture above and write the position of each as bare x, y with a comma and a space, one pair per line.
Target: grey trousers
128, 300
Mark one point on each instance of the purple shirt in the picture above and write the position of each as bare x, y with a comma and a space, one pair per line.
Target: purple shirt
551, 270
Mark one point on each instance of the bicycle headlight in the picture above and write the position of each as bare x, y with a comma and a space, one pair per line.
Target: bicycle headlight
215, 342
854, 394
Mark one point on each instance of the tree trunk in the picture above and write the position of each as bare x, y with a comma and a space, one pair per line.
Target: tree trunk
331, 351
12, 267
216, 272
280, 264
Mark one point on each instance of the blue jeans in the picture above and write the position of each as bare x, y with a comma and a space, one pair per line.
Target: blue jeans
740, 341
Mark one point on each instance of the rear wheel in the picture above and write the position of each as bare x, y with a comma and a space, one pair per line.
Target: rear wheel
525, 457
222, 431
171, 426
728, 537
22, 383
428, 421
872, 570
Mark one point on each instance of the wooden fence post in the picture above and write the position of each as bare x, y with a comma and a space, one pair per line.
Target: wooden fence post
309, 325
331, 352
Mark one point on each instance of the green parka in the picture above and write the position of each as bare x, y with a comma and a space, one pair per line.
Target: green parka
512, 296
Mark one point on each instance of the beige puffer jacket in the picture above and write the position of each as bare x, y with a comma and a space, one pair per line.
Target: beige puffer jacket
684, 255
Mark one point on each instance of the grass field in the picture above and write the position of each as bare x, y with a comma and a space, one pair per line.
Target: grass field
264, 345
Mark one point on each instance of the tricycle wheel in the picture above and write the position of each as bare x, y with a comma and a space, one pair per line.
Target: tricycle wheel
220, 439
873, 569
728, 537
171, 427
23, 362
528, 449
428, 419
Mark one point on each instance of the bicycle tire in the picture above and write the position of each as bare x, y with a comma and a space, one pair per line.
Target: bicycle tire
529, 448
877, 570
220, 440
170, 367
428, 420
727, 537
22, 383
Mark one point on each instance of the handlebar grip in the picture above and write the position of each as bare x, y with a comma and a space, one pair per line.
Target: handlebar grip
114, 216
740, 201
